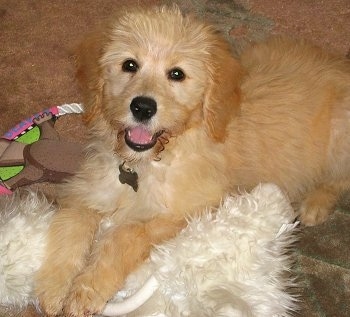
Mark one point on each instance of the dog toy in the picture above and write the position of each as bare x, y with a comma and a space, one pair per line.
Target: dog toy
32, 151
231, 262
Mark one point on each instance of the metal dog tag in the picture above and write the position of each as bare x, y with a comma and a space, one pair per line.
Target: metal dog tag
128, 176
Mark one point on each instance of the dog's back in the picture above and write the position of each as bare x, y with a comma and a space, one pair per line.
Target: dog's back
294, 123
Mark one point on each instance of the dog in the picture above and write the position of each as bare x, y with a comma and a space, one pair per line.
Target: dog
176, 123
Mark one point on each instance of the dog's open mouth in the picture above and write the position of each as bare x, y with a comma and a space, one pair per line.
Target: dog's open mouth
140, 139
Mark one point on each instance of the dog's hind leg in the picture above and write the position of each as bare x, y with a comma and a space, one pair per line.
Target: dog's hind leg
118, 253
321, 202
70, 237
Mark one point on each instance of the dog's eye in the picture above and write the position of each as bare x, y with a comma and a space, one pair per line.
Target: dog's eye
176, 74
130, 66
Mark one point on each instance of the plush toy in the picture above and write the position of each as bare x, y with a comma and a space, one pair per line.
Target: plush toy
32, 152
233, 261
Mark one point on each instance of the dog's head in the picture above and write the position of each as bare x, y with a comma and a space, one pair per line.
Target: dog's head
152, 75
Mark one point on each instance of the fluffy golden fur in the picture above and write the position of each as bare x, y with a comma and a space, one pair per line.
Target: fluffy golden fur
212, 125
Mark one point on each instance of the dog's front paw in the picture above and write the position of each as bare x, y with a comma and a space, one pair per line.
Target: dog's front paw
83, 300
51, 303
52, 287
51, 293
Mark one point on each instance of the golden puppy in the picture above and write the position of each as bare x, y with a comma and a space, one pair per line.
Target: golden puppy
176, 124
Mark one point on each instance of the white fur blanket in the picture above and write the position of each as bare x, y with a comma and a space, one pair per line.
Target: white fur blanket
234, 262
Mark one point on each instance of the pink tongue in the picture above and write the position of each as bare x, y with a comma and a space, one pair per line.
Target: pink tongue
140, 135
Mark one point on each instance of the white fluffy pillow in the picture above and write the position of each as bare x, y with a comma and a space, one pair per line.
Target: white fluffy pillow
234, 262
229, 263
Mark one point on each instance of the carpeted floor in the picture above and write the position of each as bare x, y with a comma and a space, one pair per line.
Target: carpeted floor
36, 71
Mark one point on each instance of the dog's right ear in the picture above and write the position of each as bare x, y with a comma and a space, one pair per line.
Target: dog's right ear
89, 73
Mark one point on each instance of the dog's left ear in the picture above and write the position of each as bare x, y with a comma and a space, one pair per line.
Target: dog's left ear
89, 74
222, 100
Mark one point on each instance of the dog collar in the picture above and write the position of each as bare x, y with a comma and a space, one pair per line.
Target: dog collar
128, 176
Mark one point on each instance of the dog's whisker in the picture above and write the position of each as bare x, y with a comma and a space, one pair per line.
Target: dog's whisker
162, 148
165, 140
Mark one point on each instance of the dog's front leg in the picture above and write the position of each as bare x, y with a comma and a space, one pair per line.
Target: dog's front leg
118, 253
70, 236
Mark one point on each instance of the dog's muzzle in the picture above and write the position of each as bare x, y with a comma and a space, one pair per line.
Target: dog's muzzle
139, 138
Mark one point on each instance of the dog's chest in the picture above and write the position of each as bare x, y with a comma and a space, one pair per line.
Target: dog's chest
182, 182
176, 187
142, 193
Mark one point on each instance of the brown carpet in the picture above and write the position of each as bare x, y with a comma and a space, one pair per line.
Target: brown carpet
36, 72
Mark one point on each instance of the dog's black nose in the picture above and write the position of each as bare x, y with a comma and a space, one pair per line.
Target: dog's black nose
143, 108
